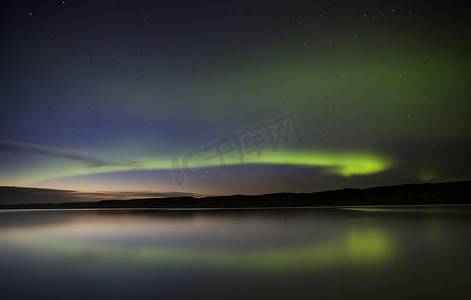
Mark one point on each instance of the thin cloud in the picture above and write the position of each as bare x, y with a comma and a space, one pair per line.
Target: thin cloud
25, 195
62, 153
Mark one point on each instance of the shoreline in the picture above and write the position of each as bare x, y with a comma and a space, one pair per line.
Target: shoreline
405, 195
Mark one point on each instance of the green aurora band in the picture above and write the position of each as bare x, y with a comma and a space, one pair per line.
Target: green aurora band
338, 163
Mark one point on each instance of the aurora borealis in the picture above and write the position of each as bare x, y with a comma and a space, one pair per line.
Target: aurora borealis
136, 96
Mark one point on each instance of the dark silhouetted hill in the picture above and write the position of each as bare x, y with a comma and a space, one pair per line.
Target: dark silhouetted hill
428, 193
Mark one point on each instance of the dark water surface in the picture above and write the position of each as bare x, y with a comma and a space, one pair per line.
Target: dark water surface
419, 252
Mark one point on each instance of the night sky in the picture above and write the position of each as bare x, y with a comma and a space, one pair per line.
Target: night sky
239, 97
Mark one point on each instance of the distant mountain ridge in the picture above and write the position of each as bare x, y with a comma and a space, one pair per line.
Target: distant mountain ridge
407, 194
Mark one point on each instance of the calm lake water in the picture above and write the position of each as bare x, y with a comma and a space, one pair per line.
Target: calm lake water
419, 252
